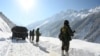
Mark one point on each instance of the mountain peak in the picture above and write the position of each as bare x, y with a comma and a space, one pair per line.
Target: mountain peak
96, 9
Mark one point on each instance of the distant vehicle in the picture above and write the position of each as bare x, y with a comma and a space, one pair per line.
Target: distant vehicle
19, 32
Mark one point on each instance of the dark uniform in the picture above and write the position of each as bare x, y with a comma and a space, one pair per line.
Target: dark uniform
37, 35
65, 36
32, 35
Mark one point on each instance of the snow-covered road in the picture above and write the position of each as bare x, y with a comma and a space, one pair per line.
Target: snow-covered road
48, 46
23, 48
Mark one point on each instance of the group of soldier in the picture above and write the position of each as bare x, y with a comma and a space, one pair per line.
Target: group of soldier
32, 33
65, 36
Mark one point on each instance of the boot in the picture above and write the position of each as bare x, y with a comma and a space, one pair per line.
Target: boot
62, 53
66, 54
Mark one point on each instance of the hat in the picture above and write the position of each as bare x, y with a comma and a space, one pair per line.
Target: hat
66, 22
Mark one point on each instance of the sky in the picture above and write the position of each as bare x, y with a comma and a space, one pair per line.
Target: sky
25, 12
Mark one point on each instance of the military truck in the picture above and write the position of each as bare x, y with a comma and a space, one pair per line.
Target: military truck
19, 32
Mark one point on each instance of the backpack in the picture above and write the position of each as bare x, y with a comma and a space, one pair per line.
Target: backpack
65, 34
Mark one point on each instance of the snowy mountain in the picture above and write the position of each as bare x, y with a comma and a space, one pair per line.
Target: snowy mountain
5, 23
52, 25
89, 28
85, 22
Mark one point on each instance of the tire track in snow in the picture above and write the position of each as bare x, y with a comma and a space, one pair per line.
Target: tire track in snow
21, 48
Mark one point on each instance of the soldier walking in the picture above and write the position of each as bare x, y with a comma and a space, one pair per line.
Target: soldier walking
65, 37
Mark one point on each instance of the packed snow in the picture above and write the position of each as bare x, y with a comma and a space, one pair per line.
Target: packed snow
48, 46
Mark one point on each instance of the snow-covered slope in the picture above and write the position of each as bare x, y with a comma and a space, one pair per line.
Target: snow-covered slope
89, 28
5, 23
9, 23
5, 27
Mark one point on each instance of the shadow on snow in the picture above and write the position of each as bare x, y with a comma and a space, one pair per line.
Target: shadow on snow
41, 48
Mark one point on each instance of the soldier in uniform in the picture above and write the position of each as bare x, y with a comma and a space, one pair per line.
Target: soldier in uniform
32, 35
37, 35
65, 37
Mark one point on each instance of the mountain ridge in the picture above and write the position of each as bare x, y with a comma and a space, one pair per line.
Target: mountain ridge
81, 21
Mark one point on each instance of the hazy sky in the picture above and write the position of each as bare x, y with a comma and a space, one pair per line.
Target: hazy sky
24, 12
